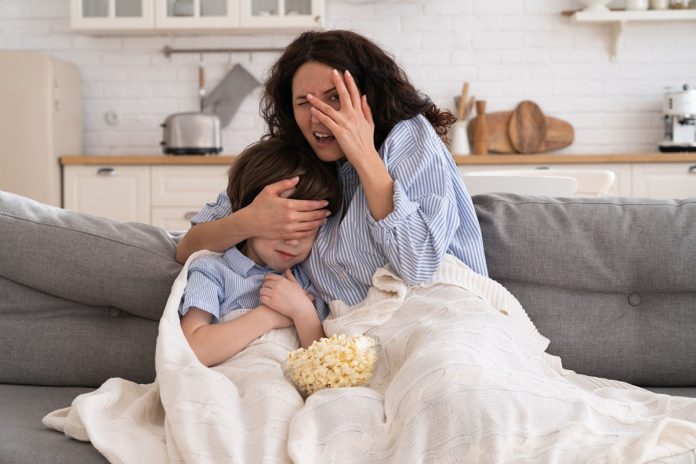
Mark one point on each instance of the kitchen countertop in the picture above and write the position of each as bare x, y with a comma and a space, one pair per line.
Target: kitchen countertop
147, 159
459, 159
576, 159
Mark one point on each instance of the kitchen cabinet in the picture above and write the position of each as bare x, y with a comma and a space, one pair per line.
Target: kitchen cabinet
281, 13
112, 15
219, 16
676, 180
167, 196
116, 192
178, 193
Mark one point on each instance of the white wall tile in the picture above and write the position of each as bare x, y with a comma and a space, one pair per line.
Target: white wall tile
509, 50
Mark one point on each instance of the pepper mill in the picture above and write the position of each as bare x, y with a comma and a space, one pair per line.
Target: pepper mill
480, 129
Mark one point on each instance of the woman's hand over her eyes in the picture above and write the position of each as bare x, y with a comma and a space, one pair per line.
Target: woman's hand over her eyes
276, 217
352, 124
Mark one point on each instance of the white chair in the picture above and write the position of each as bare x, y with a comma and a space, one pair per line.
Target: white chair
589, 182
524, 185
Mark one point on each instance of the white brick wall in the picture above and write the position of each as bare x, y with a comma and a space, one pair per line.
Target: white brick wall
509, 50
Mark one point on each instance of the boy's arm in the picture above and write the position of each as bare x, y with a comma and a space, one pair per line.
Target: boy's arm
284, 295
215, 343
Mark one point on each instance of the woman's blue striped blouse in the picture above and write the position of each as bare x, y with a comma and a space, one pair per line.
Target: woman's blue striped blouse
433, 215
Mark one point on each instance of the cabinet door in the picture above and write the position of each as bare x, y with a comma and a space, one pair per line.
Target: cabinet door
179, 192
187, 186
173, 218
196, 14
111, 14
115, 192
664, 180
281, 13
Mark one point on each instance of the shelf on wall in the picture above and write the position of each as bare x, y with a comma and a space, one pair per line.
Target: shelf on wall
618, 19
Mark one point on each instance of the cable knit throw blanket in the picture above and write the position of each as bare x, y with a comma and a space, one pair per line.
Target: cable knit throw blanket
462, 377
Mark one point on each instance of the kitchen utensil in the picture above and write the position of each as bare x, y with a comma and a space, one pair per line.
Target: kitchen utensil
462, 102
659, 4
681, 4
201, 82
191, 134
596, 5
679, 109
459, 144
636, 5
226, 97
559, 133
481, 129
527, 127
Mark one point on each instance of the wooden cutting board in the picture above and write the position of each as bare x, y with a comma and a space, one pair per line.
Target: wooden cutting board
559, 133
527, 128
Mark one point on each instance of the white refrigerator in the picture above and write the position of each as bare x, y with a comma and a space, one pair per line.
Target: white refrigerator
40, 120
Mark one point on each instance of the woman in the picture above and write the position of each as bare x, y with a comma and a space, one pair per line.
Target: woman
406, 203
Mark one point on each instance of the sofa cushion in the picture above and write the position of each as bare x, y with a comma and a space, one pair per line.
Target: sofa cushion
46, 340
610, 281
24, 439
86, 259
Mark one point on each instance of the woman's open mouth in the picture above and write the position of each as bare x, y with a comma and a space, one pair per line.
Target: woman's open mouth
323, 138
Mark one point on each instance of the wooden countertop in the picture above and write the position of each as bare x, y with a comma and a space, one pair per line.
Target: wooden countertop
459, 159
224, 160
576, 159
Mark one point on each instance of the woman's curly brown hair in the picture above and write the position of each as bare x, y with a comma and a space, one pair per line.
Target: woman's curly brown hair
391, 96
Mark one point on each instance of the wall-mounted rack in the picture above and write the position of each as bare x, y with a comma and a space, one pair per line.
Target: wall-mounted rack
169, 51
618, 19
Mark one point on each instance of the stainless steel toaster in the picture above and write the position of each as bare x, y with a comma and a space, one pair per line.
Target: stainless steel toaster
191, 134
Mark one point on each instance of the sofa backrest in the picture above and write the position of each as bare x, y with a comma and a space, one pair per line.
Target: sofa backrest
80, 296
610, 281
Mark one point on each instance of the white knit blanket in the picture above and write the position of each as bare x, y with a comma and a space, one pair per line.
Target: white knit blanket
462, 377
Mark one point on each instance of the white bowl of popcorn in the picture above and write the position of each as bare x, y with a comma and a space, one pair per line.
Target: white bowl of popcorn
337, 361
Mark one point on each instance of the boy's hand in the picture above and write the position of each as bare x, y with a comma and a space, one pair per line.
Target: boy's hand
285, 295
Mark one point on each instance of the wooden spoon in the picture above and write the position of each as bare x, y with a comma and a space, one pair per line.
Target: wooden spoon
527, 128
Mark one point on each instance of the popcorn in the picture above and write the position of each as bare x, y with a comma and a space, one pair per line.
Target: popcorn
337, 361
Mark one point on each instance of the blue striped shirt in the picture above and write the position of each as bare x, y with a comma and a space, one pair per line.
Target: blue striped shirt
220, 284
433, 215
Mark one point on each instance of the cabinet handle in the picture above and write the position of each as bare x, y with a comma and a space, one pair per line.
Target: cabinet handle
106, 172
692, 169
188, 216
543, 168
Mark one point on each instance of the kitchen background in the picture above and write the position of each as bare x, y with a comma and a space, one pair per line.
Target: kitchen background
508, 50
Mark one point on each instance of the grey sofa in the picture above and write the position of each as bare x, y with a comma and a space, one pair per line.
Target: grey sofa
610, 281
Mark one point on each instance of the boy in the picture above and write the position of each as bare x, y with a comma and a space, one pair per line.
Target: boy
259, 273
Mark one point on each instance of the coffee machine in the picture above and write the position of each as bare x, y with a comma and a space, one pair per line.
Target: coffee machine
679, 109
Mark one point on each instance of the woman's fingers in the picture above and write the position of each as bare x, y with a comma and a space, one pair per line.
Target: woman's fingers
278, 188
331, 122
322, 106
353, 90
344, 95
366, 110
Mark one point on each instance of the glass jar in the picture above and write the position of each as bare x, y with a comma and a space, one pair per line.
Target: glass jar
681, 4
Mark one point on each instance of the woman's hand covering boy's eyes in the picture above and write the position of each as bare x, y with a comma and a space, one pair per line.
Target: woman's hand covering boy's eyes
351, 124
277, 217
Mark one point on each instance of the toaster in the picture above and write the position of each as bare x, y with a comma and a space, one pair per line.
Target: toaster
191, 134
